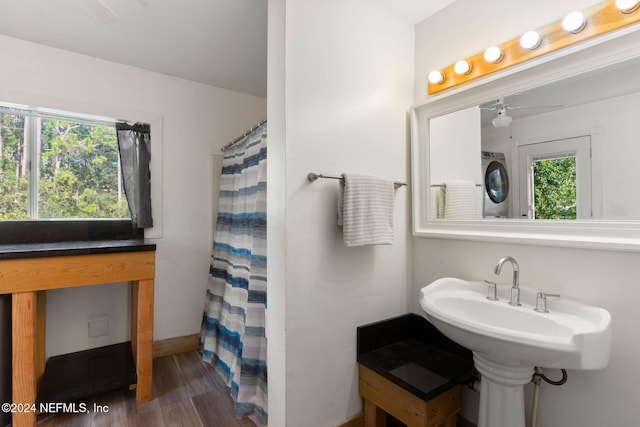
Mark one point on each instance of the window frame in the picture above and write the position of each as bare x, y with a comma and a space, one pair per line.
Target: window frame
36, 116
109, 114
578, 146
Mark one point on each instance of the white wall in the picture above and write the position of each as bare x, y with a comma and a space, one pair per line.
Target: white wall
348, 86
197, 121
454, 144
602, 278
275, 321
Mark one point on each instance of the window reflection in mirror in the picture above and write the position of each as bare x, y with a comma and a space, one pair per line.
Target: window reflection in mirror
567, 150
556, 179
553, 186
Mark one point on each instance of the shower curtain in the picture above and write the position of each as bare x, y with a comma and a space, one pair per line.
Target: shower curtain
232, 336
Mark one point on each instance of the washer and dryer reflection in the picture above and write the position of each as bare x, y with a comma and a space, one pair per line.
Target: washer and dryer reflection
495, 185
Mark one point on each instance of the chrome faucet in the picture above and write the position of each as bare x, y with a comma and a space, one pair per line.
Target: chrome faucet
515, 289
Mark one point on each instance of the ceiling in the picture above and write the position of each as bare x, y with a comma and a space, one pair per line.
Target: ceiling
599, 84
217, 42
414, 11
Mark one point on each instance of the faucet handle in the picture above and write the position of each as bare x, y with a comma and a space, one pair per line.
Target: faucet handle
541, 302
493, 291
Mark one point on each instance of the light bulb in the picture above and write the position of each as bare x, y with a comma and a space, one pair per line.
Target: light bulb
530, 40
502, 121
574, 22
462, 67
436, 77
493, 54
627, 6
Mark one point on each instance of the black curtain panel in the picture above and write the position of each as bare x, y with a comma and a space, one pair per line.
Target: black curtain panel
134, 143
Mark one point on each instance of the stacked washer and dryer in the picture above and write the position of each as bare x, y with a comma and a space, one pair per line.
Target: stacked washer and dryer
495, 185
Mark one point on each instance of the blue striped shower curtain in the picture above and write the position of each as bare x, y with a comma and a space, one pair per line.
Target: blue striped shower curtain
233, 336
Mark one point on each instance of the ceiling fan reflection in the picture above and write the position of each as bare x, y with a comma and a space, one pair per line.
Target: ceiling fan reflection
502, 119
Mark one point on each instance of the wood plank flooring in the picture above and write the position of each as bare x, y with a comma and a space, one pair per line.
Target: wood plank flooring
186, 392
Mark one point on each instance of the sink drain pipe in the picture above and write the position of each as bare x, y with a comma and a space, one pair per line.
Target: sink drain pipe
538, 376
537, 379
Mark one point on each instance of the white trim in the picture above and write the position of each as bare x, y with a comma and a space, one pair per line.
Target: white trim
593, 54
47, 113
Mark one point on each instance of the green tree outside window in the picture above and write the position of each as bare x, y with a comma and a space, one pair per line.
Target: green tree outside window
77, 169
554, 184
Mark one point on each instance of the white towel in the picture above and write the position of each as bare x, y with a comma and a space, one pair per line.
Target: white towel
441, 202
461, 200
365, 210
437, 202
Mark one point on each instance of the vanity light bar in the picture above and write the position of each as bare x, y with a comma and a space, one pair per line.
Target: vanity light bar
575, 27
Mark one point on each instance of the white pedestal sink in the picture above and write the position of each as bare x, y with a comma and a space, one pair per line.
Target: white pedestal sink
508, 342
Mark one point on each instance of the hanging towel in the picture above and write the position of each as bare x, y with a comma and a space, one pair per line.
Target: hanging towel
461, 200
365, 210
433, 206
441, 201
437, 202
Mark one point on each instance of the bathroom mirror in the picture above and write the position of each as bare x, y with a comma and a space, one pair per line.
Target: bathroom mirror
552, 149
571, 147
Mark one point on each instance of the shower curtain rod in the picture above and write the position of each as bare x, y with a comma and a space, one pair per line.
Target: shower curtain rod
240, 138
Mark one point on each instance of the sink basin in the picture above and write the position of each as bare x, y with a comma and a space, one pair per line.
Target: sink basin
571, 336
508, 342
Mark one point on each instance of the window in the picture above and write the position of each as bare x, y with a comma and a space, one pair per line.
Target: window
554, 188
556, 179
56, 165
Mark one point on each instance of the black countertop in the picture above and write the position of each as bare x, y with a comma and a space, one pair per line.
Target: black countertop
69, 230
42, 250
413, 354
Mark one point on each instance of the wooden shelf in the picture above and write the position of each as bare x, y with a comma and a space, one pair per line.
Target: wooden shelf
26, 278
382, 397
76, 376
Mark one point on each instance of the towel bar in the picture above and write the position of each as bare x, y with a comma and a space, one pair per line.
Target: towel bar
444, 185
312, 177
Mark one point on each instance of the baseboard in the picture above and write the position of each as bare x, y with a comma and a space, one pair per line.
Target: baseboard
175, 345
358, 421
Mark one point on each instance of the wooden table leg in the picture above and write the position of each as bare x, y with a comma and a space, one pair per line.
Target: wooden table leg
41, 314
143, 347
24, 355
134, 319
373, 415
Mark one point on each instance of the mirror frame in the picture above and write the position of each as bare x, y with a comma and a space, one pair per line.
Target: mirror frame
602, 51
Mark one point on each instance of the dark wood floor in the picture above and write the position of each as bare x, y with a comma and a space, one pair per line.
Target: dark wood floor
186, 392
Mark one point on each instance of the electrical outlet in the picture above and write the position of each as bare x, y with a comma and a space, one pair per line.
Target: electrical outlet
98, 327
